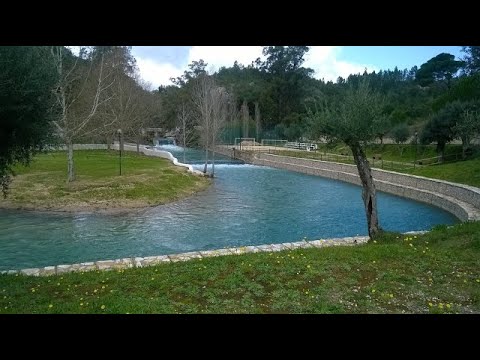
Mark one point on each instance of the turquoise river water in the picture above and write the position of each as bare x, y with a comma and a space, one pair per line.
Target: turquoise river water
246, 205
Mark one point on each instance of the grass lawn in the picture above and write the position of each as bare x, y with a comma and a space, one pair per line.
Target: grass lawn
438, 272
145, 181
388, 152
463, 172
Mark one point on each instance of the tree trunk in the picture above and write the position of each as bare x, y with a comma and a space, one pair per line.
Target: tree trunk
368, 191
184, 142
138, 145
70, 163
213, 162
465, 146
206, 160
441, 152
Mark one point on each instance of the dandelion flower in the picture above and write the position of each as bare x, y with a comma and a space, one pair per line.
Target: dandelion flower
102, 307
430, 304
373, 290
308, 266
448, 306
81, 304
50, 306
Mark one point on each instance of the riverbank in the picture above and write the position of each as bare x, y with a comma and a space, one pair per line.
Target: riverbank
145, 182
437, 272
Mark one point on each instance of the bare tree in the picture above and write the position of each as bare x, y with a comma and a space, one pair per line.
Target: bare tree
187, 130
80, 91
202, 91
220, 101
257, 121
245, 118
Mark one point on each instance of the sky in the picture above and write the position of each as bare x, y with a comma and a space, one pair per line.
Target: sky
157, 64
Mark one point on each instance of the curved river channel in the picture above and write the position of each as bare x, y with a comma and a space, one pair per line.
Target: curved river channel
245, 205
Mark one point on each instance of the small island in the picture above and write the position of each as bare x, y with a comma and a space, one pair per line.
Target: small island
145, 182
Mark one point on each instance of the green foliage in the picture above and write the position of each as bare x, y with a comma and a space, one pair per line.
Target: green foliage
440, 128
355, 119
400, 133
471, 59
26, 84
442, 67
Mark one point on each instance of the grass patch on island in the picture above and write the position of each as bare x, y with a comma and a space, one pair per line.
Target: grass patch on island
145, 181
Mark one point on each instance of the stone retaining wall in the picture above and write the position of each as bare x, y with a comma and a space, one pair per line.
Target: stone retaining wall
463, 201
139, 262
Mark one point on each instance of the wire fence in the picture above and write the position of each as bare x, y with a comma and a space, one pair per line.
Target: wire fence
375, 161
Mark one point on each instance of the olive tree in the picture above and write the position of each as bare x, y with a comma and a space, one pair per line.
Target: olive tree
354, 120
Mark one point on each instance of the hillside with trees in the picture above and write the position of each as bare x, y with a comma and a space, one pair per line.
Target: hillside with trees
98, 96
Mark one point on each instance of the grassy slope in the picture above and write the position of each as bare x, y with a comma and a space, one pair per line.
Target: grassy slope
437, 272
463, 172
145, 181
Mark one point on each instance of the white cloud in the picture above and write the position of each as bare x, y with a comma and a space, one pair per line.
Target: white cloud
218, 56
157, 73
322, 59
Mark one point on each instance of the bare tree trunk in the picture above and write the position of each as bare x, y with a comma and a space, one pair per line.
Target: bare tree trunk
206, 160
213, 161
70, 163
138, 145
368, 191
184, 120
245, 118
465, 146
257, 121
441, 151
